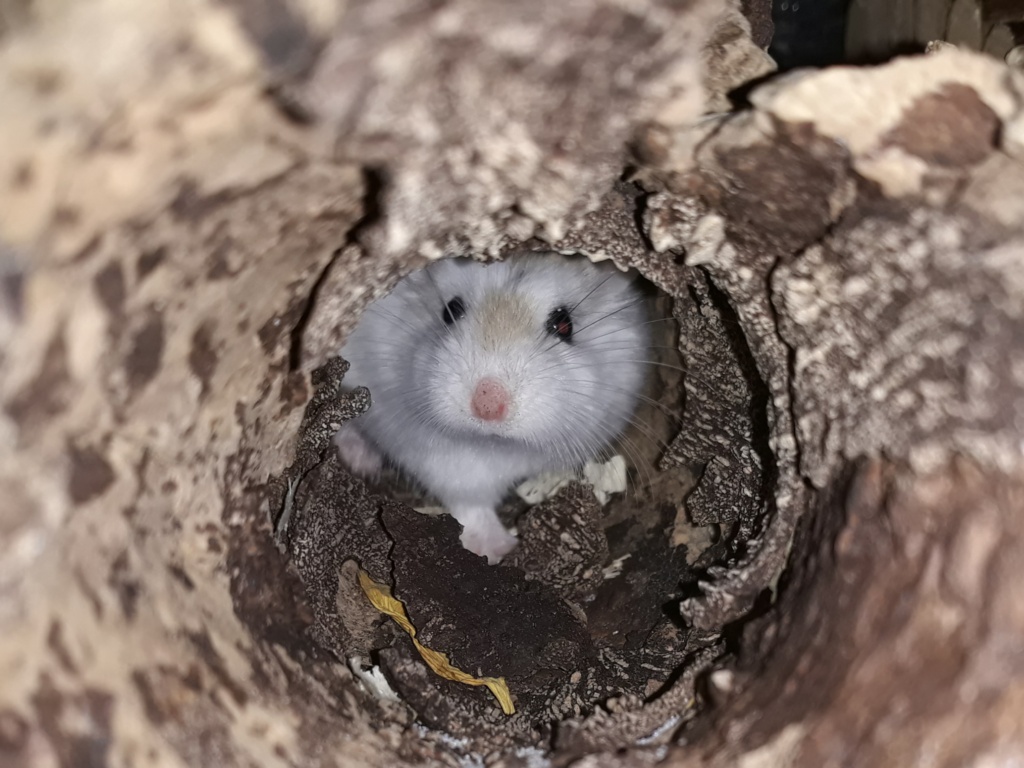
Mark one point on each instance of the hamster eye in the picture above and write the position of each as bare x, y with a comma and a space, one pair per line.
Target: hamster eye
560, 324
453, 310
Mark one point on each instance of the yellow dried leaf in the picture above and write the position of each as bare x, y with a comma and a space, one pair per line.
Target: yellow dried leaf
382, 599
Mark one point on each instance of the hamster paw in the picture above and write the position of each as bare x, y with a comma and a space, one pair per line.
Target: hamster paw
493, 544
483, 534
357, 454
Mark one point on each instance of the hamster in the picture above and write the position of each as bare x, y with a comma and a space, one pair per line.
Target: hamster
482, 375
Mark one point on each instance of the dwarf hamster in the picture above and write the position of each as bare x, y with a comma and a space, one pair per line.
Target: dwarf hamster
481, 375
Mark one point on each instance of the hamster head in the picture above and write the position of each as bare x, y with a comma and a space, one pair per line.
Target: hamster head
545, 351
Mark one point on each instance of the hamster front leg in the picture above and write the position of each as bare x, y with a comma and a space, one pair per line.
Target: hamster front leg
356, 453
482, 532
470, 480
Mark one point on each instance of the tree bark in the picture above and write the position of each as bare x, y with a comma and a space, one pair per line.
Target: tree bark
196, 200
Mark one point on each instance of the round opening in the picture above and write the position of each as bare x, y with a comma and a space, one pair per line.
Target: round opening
582, 622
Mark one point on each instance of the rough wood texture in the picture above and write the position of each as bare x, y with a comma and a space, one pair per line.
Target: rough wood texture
166, 228
874, 258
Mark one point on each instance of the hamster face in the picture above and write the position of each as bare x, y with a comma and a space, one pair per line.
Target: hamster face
544, 351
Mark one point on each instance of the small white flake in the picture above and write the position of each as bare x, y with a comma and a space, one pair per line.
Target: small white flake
723, 680
429, 511
534, 758
605, 478
614, 568
660, 731
373, 680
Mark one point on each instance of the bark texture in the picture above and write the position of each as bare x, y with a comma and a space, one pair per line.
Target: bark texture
196, 199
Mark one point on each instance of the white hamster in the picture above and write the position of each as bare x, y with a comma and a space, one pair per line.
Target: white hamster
481, 375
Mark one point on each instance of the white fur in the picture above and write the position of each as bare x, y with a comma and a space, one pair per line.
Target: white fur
569, 400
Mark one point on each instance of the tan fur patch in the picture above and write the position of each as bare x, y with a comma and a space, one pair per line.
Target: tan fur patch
504, 318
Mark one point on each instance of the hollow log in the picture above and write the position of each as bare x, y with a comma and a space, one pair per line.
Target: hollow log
196, 201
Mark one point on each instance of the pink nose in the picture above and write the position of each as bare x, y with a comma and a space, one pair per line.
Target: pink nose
490, 400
